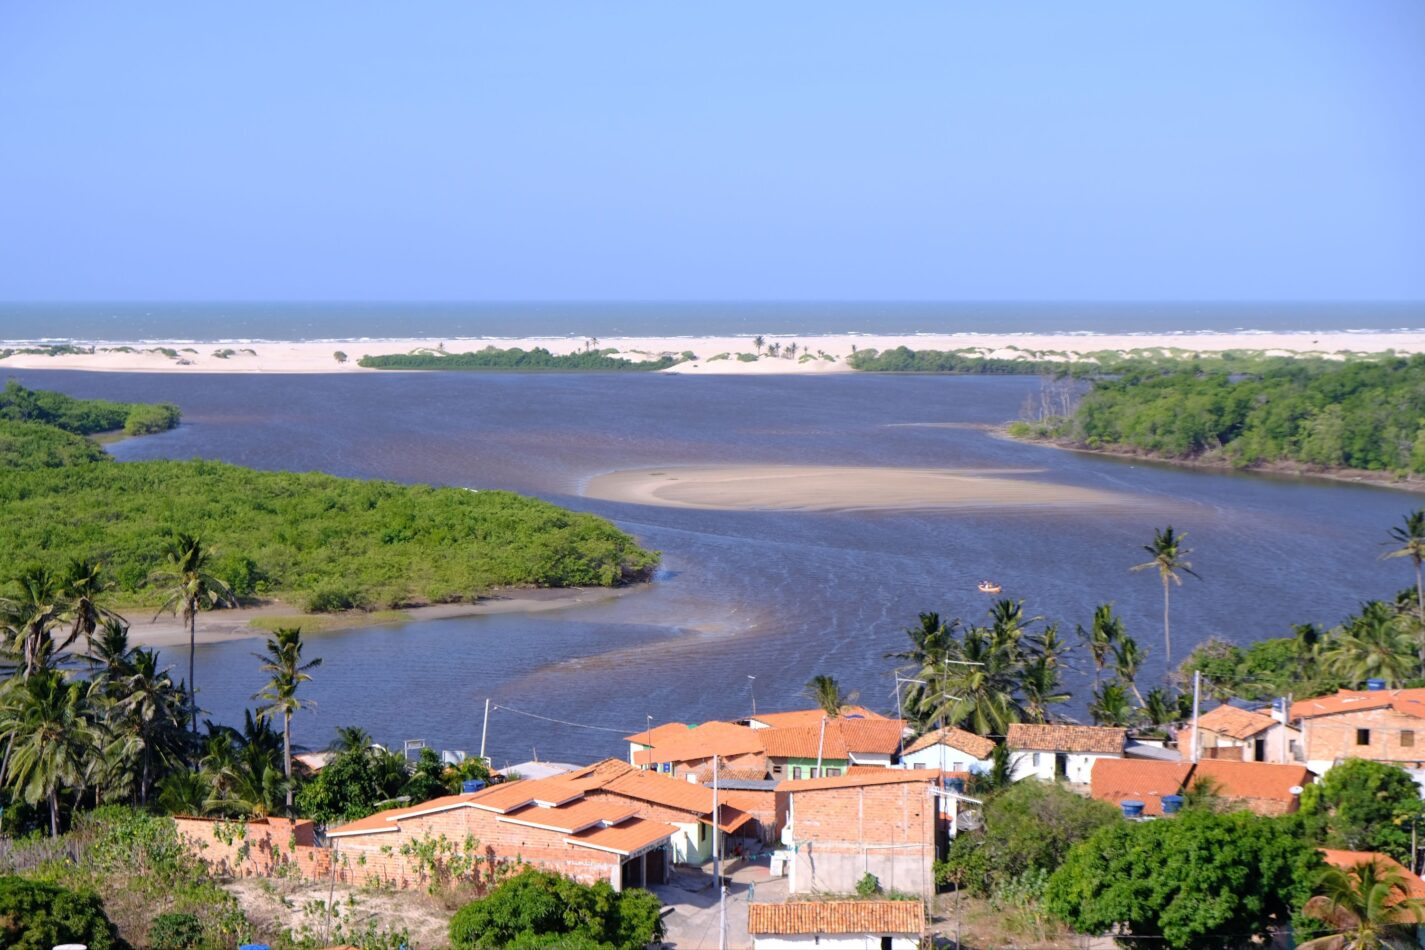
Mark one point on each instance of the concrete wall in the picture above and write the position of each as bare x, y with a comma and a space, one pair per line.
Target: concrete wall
1040, 765
954, 759
1393, 738
832, 942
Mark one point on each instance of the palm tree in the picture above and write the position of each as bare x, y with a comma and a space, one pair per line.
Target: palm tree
1127, 661
50, 720
110, 656
351, 739
1040, 685
1170, 561
151, 716
1103, 632
826, 693
759, 342
31, 617
1374, 645
283, 660
192, 587
1110, 706
83, 585
1159, 707
1410, 535
1368, 907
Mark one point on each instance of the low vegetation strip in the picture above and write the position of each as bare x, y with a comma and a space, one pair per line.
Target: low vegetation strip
515, 359
1361, 415
84, 416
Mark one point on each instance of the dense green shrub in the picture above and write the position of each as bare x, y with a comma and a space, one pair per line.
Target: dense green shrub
37, 916
146, 419
1362, 805
537, 909
36, 445
175, 932
328, 542
82, 416
534, 360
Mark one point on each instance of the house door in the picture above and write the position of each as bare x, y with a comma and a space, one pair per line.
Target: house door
1259, 750
1061, 765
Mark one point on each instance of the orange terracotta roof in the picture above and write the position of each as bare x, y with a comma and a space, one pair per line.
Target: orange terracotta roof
843, 737
626, 838
1066, 738
859, 779
664, 733
837, 917
749, 801
388, 820
509, 796
1409, 702
1237, 723
1260, 780
673, 793
1144, 780
1346, 860
977, 746
703, 742
574, 818
810, 717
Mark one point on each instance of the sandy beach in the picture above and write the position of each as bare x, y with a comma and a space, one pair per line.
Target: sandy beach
246, 623
839, 488
715, 354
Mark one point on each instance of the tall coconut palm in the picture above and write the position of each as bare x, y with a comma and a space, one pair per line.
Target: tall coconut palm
1040, 685
1103, 632
1368, 907
84, 587
1375, 644
1171, 563
1110, 706
192, 587
151, 717
50, 720
283, 660
826, 693
31, 617
1127, 661
1410, 535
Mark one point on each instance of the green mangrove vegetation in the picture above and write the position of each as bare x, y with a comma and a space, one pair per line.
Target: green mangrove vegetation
515, 359
84, 416
1320, 414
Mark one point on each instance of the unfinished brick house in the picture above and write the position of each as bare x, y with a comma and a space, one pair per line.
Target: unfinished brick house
839, 828
1262, 787
1384, 725
607, 821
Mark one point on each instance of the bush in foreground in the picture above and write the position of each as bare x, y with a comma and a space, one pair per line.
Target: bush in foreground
539, 909
38, 916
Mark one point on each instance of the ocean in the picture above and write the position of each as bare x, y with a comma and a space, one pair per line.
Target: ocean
217, 322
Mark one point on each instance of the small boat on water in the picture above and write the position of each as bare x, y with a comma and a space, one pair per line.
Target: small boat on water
986, 587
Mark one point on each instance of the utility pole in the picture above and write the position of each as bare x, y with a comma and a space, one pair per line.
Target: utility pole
485, 728
717, 864
1196, 699
752, 686
820, 744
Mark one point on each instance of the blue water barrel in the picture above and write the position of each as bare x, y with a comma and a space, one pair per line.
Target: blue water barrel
253, 946
1131, 809
471, 785
1374, 684
955, 784
1172, 804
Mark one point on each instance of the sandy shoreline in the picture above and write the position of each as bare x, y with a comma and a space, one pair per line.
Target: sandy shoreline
246, 623
840, 488
717, 355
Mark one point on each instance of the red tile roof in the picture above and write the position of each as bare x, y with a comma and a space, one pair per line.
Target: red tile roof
626, 838
1345, 860
968, 742
674, 793
837, 917
1065, 738
859, 778
1409, 702
842, 738
664, 733
575, 817
1233, 722
1143, 780
703, 742
1259, 780
811, 717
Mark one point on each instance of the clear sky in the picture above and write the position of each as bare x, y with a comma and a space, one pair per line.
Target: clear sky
1233, 150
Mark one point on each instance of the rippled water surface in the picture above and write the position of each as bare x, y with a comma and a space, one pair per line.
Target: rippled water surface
779, 596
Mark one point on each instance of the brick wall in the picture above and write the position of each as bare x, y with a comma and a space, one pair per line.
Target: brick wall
1392, 737
843, 833
701, 769
260, 848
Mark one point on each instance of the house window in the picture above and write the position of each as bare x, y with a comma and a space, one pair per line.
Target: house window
796, 771
1407, 737
1363, 737
776, 768
1036, 760
918, 765
831, 772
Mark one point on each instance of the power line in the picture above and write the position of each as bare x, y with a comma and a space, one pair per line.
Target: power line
565, 722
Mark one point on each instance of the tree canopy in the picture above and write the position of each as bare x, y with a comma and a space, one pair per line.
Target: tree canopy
537, 909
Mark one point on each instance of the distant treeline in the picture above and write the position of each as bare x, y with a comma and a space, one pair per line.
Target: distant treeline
84, 416
514, 358
1367, 414
903, 359
327, 543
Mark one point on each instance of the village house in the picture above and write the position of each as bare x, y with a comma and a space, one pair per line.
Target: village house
681, 751
878, 821
1050, 752
608, 821
833, 745
1228, 732
837, 925
1377, 724
1262, 787
804, 717
950, 750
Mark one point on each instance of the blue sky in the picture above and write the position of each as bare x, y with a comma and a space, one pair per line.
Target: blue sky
757, 151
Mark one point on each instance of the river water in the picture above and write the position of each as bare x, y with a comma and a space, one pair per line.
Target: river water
779, 596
